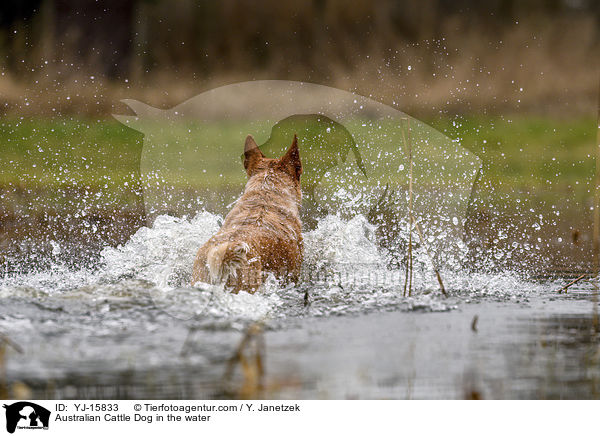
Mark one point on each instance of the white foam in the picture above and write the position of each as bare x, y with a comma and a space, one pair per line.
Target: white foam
344, 271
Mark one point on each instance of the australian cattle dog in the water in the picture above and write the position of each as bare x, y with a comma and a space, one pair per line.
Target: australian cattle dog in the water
262, 233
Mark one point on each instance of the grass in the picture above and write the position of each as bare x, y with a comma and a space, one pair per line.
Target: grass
38, 150
41, 156
536, 153
52, 163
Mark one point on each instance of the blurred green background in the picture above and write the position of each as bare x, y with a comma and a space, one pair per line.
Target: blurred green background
517, 83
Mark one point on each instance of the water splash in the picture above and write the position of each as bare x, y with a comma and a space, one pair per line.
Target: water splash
345, 271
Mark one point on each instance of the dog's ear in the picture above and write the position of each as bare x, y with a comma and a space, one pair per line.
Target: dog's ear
291, 159
252, 155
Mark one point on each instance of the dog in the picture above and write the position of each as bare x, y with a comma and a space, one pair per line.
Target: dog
263, 231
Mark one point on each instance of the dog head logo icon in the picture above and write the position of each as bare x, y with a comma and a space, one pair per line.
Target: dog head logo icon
359, 158
26, 415
352, 148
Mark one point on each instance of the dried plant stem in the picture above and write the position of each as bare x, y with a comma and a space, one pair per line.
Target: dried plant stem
6, 340
596, 236
410, 204
410, 265
3, 385
571, 283
409, 261
435, 269
406, 272
253, 371
412, 222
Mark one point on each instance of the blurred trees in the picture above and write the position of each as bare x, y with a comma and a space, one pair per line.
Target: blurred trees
127, 38
79, 32
435, 54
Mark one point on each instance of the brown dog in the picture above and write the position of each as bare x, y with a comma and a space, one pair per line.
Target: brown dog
262, 233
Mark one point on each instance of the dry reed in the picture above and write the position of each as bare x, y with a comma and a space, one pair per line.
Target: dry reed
409, 260
252, 365
571, 283
412, 222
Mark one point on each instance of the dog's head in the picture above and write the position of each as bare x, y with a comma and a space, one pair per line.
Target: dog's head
286, 170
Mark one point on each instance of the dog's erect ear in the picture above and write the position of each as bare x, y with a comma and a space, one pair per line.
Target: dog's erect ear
252, 154
291, 158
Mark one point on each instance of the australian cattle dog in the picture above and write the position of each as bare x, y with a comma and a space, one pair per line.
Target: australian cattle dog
262, 233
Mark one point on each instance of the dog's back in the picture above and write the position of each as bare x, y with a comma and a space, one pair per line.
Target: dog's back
262, 233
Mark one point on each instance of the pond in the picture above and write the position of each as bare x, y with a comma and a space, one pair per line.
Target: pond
130, 327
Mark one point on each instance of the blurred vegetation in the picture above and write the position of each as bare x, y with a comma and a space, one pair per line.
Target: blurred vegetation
427, 57
515, 82
532, 153
78, 180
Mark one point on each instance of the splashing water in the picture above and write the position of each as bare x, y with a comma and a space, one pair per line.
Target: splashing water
344, 271
134, 312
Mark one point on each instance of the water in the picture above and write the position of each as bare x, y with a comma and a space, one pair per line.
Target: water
130, 326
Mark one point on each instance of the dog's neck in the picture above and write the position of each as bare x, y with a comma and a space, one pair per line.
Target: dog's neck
276, 183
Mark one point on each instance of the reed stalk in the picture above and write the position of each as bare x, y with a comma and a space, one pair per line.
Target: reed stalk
252, 366
435, 269
408, 280
5, 342
596, 235
571, 283
412, 223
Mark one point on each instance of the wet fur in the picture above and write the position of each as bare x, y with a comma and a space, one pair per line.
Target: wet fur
263, 232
